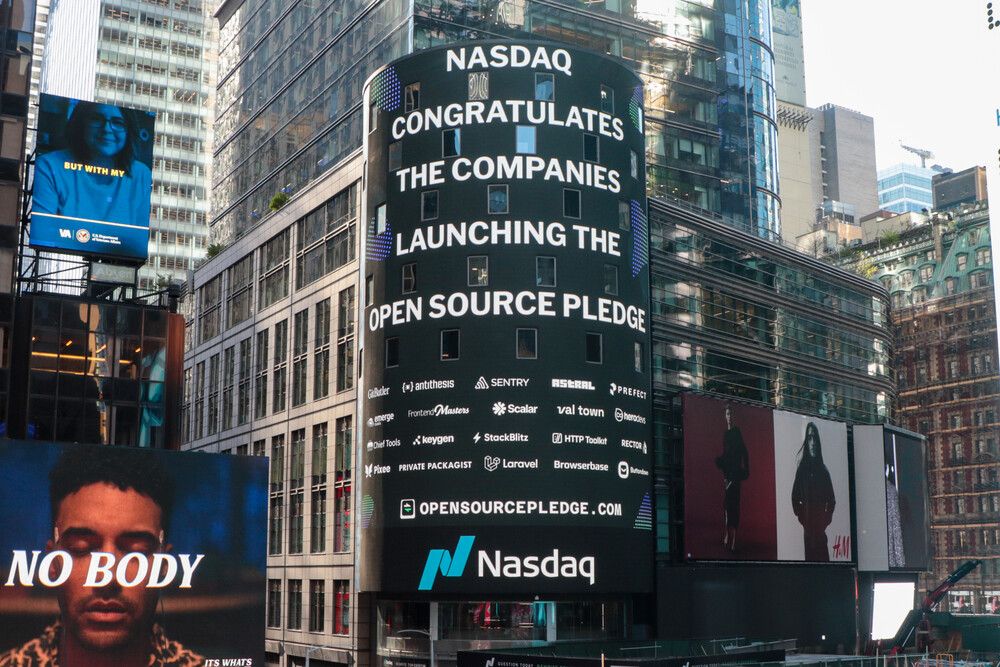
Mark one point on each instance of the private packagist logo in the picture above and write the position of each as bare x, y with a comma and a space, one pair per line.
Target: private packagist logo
495, 564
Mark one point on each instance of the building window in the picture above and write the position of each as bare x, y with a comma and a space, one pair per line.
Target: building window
624, 216
199, 400
345, 339
213, 395
395, 155
392, 352
545, 87
321, 351
369, 290
300, 335
982, 256
961, 261
497, 201
429, 205
280, 366
272, 286
525, 139
980, 279
591, 151
275, 524
372, 117
450, 344
380, 219
325, 238
926, 272
610, 279
595, 352
545, 271
571, 203
341, 607
274, 603
317, 605
342, 517
260, 387
638, 362
210, 305
296, 506
240, 281
318, 458
411, 96
526, 344
294, 621
409, 278
451, 142
317, 526
633, 164
243, 389
607, 99
477, 271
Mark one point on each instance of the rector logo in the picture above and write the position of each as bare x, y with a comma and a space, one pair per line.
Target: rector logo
447, 563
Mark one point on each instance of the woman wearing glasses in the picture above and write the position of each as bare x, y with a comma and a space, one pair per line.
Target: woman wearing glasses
97, 175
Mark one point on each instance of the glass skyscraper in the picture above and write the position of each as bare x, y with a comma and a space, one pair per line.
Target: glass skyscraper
290, 79
156, 55
905, 188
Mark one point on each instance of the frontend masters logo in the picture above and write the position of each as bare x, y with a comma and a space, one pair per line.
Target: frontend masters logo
496, 565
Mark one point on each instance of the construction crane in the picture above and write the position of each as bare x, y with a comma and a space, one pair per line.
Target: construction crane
922, 153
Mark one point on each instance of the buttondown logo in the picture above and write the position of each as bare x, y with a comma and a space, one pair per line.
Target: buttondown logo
623, 469
447, 563
481, 383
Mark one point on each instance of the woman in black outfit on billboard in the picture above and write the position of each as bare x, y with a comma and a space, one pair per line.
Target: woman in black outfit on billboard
735, 466
812, 496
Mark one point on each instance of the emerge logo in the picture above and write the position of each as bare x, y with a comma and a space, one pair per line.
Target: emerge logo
447, 563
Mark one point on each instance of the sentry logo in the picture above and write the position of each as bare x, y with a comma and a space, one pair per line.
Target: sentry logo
481, 383
447, 563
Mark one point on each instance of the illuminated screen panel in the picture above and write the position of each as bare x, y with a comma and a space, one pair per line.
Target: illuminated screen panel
506, 392
132, 555
892, 602
92, 179
764, 485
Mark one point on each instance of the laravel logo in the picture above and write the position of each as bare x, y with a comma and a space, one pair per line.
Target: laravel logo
450, 565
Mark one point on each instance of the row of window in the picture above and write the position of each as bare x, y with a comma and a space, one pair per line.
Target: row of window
544, 91
525, 347
477, 274
230, 367
337, 607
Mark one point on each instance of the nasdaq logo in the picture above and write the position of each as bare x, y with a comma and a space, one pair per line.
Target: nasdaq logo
447, 563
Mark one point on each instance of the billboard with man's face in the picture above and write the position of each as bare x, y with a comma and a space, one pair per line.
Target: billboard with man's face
93, 179
129, 556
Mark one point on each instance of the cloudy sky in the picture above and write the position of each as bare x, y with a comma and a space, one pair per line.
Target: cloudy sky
928, 71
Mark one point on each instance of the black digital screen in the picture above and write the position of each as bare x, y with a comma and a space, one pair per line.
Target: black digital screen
506, 395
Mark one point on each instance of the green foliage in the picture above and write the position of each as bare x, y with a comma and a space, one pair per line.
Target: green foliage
889, 237
278, 200
214, 249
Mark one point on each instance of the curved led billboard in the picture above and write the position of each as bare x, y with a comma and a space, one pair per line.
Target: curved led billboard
506, 395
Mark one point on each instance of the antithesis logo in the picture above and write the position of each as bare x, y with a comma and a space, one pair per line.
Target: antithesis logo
447, 563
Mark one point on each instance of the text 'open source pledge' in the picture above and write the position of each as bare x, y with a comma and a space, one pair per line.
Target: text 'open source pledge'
503, 303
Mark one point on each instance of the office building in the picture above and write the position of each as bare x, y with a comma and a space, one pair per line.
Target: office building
155, 56
940, 279
16, 19
906, 188
286, 190
952, 189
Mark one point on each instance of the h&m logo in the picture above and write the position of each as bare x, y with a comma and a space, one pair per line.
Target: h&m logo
449, 564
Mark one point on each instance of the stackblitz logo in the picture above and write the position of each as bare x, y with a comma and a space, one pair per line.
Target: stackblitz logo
495, 564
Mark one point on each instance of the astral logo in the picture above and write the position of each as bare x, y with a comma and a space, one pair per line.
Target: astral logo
448, 564
559, 383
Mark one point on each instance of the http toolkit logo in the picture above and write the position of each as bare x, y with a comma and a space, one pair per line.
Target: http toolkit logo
447, 563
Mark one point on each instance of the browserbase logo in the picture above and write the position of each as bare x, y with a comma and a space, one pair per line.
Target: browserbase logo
497, 565
585, 385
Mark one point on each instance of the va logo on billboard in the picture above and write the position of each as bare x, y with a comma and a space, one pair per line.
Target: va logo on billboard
447, 563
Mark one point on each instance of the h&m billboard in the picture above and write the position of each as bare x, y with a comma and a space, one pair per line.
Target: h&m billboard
506, 386
130, 556
763, 484
92, 179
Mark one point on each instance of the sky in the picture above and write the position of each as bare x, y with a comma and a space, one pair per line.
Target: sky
927, 71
